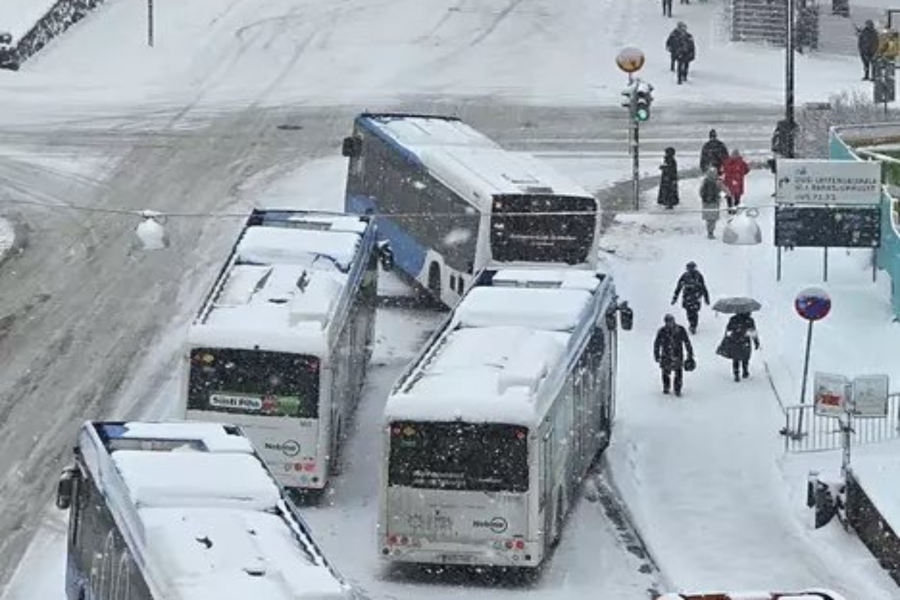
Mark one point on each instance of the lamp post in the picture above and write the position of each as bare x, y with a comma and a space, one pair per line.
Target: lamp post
789, 78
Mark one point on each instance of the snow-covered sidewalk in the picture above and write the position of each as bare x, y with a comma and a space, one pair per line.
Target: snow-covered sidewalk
703, 474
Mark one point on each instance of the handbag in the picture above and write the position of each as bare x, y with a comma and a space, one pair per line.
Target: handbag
690, 364
724, 349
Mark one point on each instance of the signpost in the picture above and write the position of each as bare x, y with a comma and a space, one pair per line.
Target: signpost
827, 204
630, 60
830, 394
869, 396
813, 304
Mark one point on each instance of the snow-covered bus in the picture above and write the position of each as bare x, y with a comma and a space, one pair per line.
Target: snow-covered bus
490, 431
184, 511
282, 341
452, 201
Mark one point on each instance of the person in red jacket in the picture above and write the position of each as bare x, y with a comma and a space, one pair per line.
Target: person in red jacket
734, 169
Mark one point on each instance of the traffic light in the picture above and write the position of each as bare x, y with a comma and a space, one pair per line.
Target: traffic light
641, 108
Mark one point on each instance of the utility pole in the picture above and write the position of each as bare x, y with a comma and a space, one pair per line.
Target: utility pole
150, 23
789, 79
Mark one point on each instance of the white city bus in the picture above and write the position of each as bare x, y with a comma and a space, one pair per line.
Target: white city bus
489, 432
282, 342
184, 511
453, 202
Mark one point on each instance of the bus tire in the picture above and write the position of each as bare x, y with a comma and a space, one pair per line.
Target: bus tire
434, 282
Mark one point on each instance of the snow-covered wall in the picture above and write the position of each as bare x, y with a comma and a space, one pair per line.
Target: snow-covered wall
887, 257
32, 24
873, 527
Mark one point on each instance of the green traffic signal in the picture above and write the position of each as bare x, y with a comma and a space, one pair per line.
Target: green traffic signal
641, 114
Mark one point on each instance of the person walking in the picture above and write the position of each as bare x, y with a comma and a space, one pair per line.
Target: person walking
739, 333
668, 182
711, 193
669, 349
867, 42
667, 8
685, 52
692, 288
734, 170
673, 42
713, 153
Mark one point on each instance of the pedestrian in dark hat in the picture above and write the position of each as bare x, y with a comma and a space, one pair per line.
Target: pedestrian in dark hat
668, 181
867, 42
713, 153
692, 288
669, 349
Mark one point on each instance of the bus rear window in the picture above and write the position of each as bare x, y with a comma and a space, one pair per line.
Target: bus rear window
483, 457
554, 238
254, 382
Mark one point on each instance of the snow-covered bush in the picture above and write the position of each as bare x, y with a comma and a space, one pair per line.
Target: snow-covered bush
845, 108
62, 15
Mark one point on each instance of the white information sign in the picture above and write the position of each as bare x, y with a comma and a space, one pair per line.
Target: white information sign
830, 394
836, 182
870, 396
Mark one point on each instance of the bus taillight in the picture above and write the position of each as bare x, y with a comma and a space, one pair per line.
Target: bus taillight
520, 544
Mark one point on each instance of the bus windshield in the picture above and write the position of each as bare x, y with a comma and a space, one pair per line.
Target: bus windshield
483, 457
565, 238
254, 382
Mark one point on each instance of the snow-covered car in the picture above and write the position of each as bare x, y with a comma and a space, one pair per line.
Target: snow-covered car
9, 58
805, 595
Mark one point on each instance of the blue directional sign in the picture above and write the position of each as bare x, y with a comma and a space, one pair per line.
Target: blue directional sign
813, 304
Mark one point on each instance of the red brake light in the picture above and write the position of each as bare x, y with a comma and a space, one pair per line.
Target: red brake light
520, 544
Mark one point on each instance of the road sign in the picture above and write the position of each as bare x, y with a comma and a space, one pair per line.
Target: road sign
813, 304
827, 182
828, 227
830, 394
869, 396
630, 59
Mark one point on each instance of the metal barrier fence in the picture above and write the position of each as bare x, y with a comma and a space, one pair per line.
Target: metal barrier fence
805, 431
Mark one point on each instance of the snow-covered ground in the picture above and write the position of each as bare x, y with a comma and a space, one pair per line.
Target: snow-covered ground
704, 476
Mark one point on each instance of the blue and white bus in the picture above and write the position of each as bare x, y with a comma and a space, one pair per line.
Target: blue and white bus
453, 202
282, 342
491, 429
184, 511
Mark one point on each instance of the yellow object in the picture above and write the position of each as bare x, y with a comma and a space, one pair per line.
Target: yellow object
889, 44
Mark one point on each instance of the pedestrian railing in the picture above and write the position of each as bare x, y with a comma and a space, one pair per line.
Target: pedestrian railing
805, 431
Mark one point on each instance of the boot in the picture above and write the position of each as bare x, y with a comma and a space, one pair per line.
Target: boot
746, 374
737, 377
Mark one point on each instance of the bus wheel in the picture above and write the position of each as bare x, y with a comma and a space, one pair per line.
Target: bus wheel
434, 282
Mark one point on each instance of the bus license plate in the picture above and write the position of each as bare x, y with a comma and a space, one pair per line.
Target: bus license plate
456, 558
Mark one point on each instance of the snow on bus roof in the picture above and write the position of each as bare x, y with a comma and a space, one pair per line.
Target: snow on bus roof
282, 292
470, 162
210, 521
500, 347
214, 436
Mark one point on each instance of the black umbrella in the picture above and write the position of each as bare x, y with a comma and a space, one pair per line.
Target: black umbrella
736, 304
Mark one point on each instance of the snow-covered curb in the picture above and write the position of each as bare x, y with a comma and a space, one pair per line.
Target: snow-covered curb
7, 238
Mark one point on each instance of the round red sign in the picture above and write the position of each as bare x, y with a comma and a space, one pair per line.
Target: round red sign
813, 304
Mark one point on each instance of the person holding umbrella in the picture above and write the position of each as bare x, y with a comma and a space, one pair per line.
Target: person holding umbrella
692, 288
740, 332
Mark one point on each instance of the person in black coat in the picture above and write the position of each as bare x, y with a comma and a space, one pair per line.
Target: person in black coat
669, 348
673, 43
692, 288
713, 153
867, 42
739, 333
668, 182
685, 52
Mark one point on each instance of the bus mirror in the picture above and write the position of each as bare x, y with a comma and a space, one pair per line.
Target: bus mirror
352, 146
627, 316
611, 319
386, 255
65, 488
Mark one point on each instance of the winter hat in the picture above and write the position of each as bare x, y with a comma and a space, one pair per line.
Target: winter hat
736, 153
682, 25
668, 319
692, 265
712, 134
670, 151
